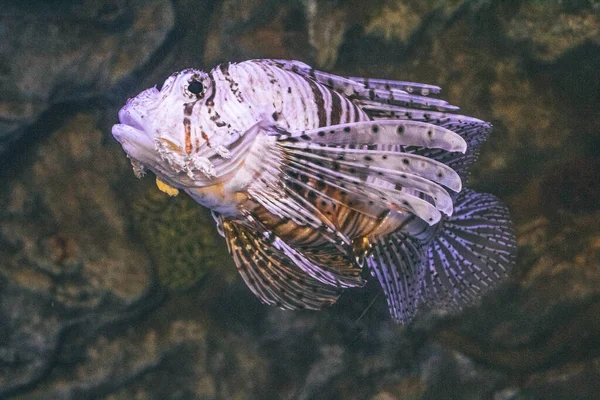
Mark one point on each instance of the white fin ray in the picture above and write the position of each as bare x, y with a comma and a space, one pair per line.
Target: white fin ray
371, 175
409, 87
474, 131
388, 162
387, 197
387, 91
271, 275
384, 132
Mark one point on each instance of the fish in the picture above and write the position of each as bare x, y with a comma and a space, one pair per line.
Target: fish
317, 181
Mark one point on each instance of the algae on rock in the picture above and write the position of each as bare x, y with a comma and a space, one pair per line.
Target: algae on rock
180, 236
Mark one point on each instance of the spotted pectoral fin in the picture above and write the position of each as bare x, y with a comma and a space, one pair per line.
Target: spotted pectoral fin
273, 276
382, 133
472, 252
355, 192
474, 131
166, 188
345, 159
393, 168
397, 262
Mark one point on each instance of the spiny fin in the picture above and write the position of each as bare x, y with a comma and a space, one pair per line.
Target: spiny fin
382, 132
339, 83
397, 262
271, 190
390, 92
376, 193
474, 131
372, 171
472, 252
166, 188
395, 100
325, 265
387, 84
383, 163
271, 275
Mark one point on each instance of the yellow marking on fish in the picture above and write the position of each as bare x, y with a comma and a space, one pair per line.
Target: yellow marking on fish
361, 245
163, 187
172, 146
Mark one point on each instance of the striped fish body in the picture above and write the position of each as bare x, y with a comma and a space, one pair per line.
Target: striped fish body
310, 174
292, 102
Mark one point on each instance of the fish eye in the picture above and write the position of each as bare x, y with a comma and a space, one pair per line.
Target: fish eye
195, 87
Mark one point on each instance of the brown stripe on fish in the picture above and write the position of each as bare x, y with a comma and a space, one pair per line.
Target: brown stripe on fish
216, 118
210, 101
233, 85
205, 137
188, 108
187, 131
336, 108
319, 102
356, 114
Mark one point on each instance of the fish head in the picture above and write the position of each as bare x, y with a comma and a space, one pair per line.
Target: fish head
155, 130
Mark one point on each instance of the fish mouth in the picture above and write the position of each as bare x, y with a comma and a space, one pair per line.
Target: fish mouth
135, 123
127, 134
135, 143
128, 116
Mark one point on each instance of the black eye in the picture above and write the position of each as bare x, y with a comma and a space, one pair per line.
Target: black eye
195, 87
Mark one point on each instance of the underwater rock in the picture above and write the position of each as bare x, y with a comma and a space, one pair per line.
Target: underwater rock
241, 30
111, 361
67, 264
327, 23
548, 29
77, 298
401, 20
572, 185
180, 236
64, 51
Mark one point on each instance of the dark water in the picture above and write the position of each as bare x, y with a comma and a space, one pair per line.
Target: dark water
109, 289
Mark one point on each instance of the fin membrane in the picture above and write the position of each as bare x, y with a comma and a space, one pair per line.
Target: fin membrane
385, 99
351, 188
271, 275
382, 132
474, 131
372, 179
474, 249
389, 163
385, 91
397, 262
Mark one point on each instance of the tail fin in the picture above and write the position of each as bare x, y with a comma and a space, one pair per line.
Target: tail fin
474, 249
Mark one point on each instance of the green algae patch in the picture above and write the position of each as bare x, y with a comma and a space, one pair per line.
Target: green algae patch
180, 236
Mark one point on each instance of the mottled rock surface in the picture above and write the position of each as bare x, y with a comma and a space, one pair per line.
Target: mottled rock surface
180, 236
60, 51
99, 298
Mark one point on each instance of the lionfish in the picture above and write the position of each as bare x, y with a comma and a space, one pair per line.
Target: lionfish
311, 176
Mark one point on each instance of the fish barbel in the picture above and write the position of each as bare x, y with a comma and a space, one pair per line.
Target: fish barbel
311, 177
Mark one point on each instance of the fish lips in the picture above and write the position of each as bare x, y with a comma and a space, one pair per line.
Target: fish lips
135, 142
132, 133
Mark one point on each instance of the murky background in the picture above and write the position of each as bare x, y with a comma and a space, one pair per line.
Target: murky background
110, 289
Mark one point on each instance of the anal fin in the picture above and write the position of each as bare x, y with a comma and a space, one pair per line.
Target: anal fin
397, 262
